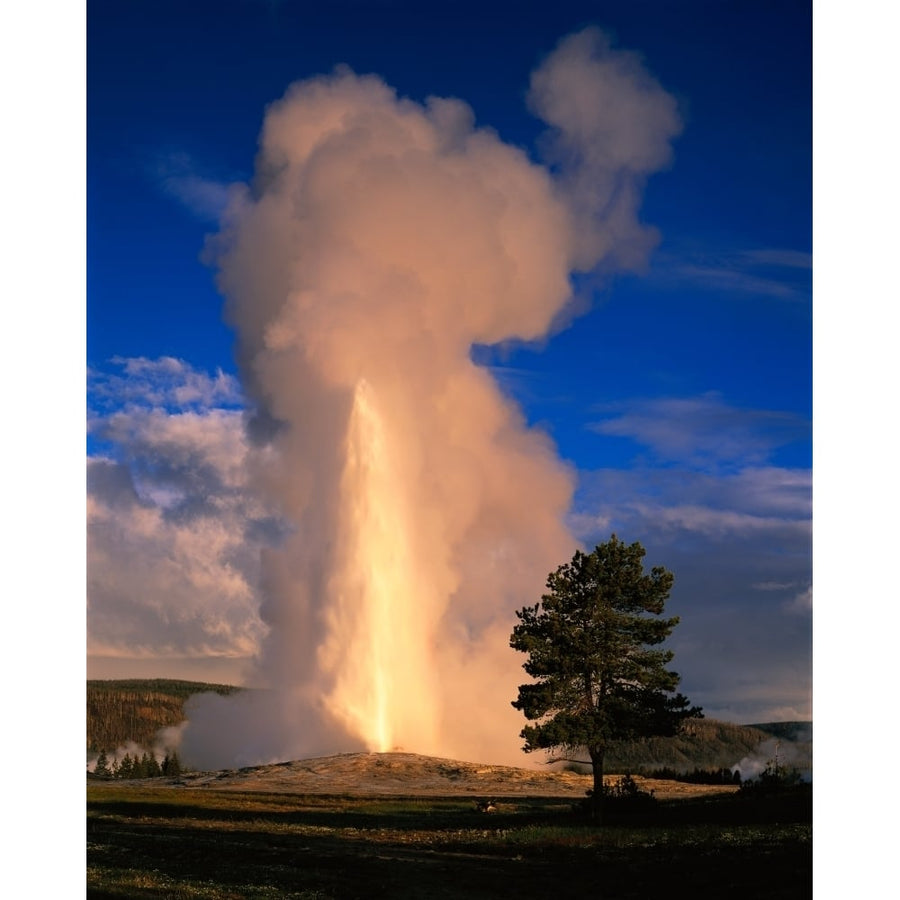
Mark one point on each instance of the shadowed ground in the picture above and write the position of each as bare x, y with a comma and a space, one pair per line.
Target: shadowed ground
149, 840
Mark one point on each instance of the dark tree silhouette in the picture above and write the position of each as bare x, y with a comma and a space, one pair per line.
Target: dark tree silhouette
591, 645
171, 764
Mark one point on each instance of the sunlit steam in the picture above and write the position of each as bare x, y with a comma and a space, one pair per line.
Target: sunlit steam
380, 241
382, 618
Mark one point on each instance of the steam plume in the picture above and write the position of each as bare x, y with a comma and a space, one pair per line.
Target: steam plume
382, 239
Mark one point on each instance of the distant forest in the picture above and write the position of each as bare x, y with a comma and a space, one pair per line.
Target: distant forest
134, 710
710, 744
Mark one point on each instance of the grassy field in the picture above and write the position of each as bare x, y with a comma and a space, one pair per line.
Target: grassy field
226, 845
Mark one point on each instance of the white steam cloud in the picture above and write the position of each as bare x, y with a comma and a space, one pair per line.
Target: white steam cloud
381, 240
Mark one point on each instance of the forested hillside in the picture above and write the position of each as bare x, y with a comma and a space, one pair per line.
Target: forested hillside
706, 744
134, 710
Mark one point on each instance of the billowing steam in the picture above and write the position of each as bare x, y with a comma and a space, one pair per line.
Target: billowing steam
380, 240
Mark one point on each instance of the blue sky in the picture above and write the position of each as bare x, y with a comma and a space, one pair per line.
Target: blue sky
679, 393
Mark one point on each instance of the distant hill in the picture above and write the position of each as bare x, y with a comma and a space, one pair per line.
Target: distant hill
796, 732
710, 744
135, 710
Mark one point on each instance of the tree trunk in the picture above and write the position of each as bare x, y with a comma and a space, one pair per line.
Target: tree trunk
597, 794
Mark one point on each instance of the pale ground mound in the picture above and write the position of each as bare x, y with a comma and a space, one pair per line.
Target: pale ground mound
409, 774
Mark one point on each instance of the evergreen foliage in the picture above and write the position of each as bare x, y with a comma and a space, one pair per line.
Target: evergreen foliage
126, 766
139, 768
697, 776
102, 767
592, 649
171, 764
133, 766
149, 766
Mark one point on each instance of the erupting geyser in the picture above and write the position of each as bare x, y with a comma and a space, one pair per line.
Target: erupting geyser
383, 614
380, 240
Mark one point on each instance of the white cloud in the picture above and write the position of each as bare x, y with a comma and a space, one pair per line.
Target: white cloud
768, 502
717, 523
172, 447
163, 382
174, 533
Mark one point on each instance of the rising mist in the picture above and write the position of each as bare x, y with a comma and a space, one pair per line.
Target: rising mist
380, 239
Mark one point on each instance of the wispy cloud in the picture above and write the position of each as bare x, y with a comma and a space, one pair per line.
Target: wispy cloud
788, 259
801, 602
201, 194
718, 524
726, 280
703, 430
164, 382
782, 274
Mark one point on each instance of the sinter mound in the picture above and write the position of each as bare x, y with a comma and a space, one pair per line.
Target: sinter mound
409, 774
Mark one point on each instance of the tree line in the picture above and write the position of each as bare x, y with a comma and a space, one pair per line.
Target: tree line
698, 776
144, 766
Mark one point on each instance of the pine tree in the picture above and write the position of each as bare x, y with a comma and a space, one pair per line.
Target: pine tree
149, 766
139, 768
126, 767
591, 650
171, 764
102, 766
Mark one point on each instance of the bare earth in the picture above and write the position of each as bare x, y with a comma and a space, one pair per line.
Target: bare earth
409, 774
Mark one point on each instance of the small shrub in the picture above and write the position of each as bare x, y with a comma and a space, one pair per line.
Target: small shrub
624, 789
623, 795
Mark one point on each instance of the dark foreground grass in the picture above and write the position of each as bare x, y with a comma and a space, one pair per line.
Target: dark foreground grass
223, 845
